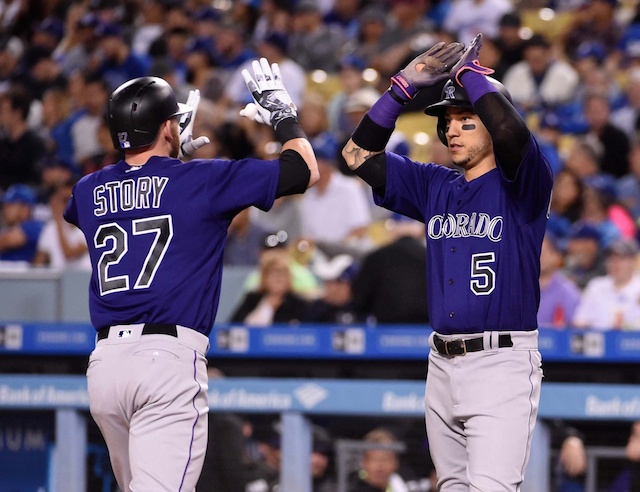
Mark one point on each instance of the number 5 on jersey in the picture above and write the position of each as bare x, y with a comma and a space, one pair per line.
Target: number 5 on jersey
483, 278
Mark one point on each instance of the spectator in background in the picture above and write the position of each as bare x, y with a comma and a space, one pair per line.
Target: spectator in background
74, 50
226, 463
61, 245
600, 209
391, 285
245, 239
231, 48
58, 119
509, 43
265, 471
627, 117
304, 282
583, 255
274, 301
466, 18
21, 149
379, 465
335, 305
566, 201
313, 44
149, 25
199, 62
322, 461
351, 80
335, 213
114, 60
541, 79
41, 71
614, 141
84, 130
559, 296
274, 16
628, 186
19, 233
596, 20
629, 479
368, 41
107, 154
274, 48
548, 136
11, 52
610, 302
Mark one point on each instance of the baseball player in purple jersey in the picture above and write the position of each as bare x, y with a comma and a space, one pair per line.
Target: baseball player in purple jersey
484, 229
156, 228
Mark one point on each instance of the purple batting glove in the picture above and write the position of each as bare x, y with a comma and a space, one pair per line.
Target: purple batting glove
469, 61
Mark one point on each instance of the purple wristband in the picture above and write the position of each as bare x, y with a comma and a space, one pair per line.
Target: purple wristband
476, 85
385, 111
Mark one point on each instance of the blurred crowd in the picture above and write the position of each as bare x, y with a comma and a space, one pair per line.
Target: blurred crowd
572, 68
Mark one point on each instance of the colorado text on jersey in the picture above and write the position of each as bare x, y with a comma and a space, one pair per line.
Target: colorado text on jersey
464, 225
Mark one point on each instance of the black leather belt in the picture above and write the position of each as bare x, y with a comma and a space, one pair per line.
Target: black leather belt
148, 329
459, 346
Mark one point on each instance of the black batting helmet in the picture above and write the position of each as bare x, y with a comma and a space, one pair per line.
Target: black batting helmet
138, 108
454, 95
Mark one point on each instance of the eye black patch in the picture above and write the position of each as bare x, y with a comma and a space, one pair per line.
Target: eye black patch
469, 126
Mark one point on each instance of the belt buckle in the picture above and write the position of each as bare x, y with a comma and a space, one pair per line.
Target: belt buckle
458, 346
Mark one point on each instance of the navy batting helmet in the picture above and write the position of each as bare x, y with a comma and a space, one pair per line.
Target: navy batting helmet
455, 96
138, 108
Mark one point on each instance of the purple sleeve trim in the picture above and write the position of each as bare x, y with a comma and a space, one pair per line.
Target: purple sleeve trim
476, 85
385, 111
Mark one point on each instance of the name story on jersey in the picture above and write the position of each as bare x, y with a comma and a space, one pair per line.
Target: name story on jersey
129, 194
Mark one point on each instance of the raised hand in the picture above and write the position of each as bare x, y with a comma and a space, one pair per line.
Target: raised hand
469, 61
426, 69
272, 101
188, 145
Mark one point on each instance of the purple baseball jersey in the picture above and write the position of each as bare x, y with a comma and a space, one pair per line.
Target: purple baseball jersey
156, 235
483, 240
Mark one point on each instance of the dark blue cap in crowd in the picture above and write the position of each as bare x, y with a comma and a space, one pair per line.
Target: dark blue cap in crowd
325, 147
583, 230
201, 45
89, 20
108, 29
603, 183
277, 39
591, 49
353, 61
549, 119
19, 193
52, 26
207, 14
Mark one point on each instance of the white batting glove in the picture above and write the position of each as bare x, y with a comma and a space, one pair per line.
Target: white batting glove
188, 145
272, 101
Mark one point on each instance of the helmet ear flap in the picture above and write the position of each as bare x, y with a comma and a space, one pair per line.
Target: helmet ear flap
441, 129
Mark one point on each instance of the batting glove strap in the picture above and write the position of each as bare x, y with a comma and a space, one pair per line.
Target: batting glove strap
288, 129
474, 66
401, 89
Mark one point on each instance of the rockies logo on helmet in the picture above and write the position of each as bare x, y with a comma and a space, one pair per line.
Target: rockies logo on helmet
449, 92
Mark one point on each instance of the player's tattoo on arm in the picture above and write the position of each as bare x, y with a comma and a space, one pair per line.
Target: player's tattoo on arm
355, 156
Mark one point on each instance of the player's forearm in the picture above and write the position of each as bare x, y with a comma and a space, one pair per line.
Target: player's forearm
303, 147
355, 155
